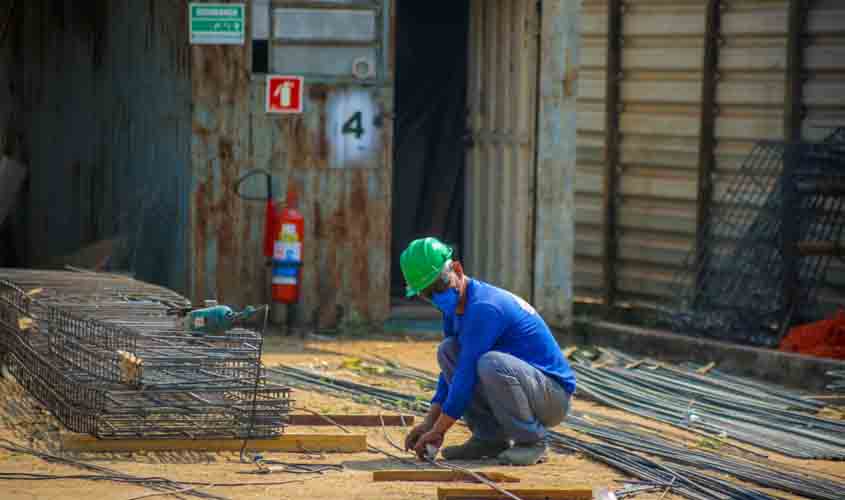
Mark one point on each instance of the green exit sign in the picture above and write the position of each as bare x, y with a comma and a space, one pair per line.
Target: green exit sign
217, 23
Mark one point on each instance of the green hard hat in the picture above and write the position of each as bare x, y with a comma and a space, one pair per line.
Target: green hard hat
422, 262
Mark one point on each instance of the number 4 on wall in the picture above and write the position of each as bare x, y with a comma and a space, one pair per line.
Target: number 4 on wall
354, 125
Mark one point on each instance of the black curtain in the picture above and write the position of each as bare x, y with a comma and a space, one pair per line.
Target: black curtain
430, 108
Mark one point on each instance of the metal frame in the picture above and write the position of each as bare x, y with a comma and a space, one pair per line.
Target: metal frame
794, 110
383, 12
105, 358
612, 139
707, 137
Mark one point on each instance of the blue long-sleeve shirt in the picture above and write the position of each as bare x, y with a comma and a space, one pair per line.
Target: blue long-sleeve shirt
497, 320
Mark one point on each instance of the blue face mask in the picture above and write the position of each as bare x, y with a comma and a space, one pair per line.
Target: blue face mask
447, 301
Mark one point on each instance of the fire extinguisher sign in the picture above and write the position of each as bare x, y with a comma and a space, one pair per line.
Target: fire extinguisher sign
284, 94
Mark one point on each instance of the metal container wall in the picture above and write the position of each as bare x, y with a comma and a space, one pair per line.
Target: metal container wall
344, 196
499, 222
656, 190
100, 98
556, 161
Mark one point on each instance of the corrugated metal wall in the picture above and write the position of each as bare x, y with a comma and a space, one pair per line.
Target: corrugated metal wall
6, 98
654, 197
101, 101
346, 204
824, 98
499, 220
556, 161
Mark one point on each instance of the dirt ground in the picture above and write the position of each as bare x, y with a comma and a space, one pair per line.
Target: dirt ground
22, 423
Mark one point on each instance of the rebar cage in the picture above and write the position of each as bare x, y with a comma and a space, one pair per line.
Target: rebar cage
100, 352
767, 245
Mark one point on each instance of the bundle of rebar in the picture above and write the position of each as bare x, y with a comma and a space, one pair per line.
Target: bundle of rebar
624, 446
101, 352
766, 246
714, 406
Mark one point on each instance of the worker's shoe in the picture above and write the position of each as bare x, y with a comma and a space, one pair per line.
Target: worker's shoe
474, 449
524, 454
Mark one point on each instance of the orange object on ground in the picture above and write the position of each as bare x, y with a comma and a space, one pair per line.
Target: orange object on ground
824, 339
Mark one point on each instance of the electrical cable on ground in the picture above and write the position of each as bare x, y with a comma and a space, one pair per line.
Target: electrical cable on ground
162, 485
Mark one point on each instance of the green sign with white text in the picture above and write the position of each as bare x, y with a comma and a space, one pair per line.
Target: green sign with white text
217, 23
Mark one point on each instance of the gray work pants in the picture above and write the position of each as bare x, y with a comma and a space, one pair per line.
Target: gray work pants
512, 400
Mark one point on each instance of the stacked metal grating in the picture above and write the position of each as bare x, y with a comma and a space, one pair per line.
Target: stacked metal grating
766, 246
101, 353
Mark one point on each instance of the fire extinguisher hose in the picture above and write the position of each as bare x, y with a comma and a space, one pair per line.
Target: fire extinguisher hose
249, 174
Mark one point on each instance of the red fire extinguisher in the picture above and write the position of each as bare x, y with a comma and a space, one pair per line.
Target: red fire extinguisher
287, 253
284, 232
272, 220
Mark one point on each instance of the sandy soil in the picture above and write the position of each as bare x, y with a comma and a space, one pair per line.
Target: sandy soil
23, 423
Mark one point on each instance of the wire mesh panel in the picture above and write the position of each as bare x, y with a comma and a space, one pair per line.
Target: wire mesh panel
104, 355
749, 281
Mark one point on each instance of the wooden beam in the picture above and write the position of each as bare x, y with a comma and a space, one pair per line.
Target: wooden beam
352, 420
486, 493
341, 443
794, 111
707, 134
611, 164
439, 475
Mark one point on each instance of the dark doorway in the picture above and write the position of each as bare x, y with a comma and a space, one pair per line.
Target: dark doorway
430, 107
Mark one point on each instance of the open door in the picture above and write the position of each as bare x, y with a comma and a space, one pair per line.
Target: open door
501, 142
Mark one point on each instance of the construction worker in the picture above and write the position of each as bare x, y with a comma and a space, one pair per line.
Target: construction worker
500, 367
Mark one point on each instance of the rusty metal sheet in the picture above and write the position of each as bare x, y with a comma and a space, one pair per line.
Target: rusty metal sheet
108, 160
346, 260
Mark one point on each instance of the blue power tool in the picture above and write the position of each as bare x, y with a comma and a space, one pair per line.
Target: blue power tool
214, 320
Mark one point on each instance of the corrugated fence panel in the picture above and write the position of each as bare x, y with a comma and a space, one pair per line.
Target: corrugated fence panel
502, 103
660, 124
589, 179
751, 88
660, 96
824, 101
101, 97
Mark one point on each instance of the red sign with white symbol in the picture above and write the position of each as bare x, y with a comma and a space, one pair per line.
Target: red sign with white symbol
284, 94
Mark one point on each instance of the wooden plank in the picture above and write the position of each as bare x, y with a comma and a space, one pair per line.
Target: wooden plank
707, 135
352, 420
794, 65
340, 443
486, 493
439, 475
612, 115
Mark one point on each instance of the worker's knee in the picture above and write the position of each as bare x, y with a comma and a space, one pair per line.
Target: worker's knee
491, 366
447, 353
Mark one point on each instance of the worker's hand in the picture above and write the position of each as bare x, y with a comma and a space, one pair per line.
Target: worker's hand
414, 435
433, 438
